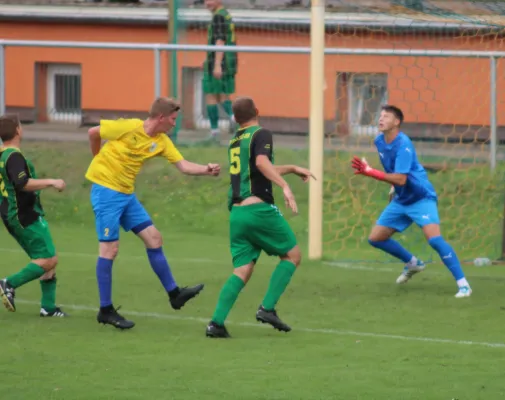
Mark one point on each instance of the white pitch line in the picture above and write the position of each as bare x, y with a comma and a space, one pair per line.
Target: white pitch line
359, 267
306, 330
334, 264
121, 255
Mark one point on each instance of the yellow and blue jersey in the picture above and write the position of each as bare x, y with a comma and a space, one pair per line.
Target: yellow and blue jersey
128, 147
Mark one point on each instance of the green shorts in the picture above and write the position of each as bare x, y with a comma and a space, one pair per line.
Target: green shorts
212, 85
35, 239
258, 227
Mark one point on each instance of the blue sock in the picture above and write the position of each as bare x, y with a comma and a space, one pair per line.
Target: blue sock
448, 256
160, 266
394, 248
104, 279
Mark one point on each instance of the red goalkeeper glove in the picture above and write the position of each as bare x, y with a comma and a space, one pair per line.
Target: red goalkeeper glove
361, 167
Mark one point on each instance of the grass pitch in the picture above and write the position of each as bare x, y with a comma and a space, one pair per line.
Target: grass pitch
356, 334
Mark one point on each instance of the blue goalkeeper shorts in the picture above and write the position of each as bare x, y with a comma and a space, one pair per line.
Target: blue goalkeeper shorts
113, 210
399, 217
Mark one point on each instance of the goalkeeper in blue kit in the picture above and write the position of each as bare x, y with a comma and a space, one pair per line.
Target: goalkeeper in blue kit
415, 200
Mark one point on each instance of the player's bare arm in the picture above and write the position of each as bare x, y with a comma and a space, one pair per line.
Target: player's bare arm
219, 26
271, 173
303, 173
33, 185
95, 141
17, 170
190, 168
218, 71
361, 167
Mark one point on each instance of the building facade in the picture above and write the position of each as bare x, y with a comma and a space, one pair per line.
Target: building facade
442, 96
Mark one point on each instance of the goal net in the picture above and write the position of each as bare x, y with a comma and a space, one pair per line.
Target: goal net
447, 102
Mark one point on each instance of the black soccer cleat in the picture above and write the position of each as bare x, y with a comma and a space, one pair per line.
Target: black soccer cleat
270, 317
109, 315
216, 331
7, 295
58, 312
180, 296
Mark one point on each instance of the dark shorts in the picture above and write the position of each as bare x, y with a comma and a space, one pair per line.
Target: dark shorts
212, 85
35, 239
258, 227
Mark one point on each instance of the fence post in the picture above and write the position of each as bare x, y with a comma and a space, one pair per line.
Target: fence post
494, 122
157, 73
316, 129
2, 79
173, 33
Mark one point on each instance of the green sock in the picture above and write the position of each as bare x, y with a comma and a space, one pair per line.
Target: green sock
213, 113
48, 301
227, 107
278, 283
27, 274
227, 298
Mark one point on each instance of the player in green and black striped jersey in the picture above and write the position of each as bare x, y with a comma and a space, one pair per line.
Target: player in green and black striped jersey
220, 67
23, 216
256, 224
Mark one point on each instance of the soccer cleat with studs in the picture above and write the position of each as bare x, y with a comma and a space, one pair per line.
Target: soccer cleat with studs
410, 271
271, 317
110, 316
464, 291
215, 330
57, 312
180, 296
7, 295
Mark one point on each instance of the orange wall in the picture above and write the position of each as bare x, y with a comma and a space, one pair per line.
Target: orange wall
440, 90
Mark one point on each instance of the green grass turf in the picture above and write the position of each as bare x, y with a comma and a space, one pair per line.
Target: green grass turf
471, 200
356, 334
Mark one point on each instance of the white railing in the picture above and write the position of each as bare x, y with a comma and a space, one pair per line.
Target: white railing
157, 48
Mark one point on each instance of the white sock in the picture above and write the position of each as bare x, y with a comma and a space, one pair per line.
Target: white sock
232, 118
462, 282
412, 262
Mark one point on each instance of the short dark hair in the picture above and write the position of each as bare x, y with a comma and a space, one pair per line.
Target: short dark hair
244, 110
9, 125
395, 111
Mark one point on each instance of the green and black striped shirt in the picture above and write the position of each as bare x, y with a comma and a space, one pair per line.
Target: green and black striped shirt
246, 179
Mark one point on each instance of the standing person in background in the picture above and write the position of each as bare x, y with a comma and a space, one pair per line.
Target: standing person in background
219, 67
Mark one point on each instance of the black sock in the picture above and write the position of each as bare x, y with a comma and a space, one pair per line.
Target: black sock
107, 309
174, 293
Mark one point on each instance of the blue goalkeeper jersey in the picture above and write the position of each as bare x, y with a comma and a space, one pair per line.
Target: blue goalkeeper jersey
399, 157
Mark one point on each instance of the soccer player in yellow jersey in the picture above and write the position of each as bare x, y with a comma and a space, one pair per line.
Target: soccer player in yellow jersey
115, 166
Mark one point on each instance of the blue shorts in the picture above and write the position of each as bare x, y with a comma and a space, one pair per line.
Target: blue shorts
113, 209
399, 217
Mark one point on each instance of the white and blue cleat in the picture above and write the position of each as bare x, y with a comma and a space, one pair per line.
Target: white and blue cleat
409, 271
464, 291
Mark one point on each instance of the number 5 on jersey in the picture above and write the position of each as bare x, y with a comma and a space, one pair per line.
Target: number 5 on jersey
235, 161
3, 192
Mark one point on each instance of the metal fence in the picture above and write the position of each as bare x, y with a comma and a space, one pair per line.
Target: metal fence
69, 82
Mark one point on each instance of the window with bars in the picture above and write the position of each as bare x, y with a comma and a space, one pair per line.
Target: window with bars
366, 93
64, 92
